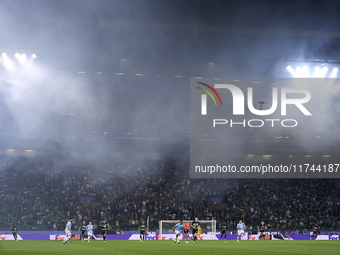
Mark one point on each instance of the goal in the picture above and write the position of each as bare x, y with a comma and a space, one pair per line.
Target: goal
208, 227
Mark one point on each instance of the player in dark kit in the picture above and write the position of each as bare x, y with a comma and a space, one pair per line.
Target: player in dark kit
315, 232
224, 231
15, 232
261, 228
142, 231
83, 230
195, 225
105, 228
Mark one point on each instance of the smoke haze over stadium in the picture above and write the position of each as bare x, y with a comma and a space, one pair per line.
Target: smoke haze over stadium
95, 111
83, 47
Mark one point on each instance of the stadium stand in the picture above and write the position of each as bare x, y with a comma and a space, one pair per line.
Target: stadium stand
41, 192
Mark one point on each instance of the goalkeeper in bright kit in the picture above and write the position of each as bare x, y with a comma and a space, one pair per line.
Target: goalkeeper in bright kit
68, 230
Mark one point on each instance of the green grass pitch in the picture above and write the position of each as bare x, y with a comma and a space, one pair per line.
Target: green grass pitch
169, 247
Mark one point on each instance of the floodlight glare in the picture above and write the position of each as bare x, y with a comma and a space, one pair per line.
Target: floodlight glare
334, 73
7, 63
291, 70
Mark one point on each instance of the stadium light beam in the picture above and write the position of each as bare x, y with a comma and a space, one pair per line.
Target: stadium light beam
334, 73
31, 59
303, 72
21, 58
291, 70
317, 72
7, 62
298, 72
320, 73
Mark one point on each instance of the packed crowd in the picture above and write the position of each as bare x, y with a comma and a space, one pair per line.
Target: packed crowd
42, 192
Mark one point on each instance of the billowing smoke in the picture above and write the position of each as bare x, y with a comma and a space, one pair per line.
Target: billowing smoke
122, 68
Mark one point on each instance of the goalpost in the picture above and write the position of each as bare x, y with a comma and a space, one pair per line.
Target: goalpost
207, 226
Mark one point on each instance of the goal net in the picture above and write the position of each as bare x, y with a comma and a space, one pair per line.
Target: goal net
208, 229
